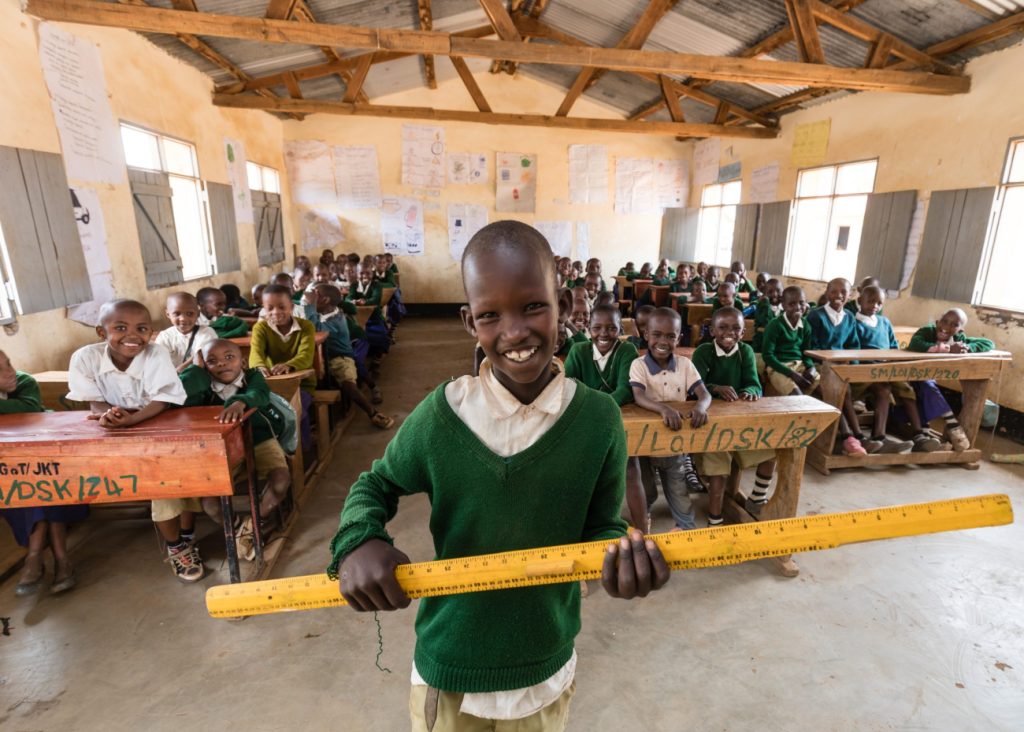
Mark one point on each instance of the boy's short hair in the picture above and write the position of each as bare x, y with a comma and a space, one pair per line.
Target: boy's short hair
502, 236
872, 290
110, 307
218, 343
205, 293
728, 310
277, 290
667, 313
231, 292
332, 293
186, 296
606, 310
726, 284
793, 290
645, 309
959, 312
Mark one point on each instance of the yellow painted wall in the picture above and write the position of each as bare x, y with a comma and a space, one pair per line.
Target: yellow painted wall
146, 87
924, 143
434, 277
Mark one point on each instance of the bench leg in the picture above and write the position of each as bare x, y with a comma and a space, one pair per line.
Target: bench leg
323, 431
789, 467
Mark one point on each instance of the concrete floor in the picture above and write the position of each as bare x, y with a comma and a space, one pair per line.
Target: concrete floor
924, 633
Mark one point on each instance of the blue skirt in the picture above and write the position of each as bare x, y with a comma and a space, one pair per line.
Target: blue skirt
23, 520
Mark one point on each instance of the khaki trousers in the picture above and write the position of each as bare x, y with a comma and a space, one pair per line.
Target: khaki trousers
438, 711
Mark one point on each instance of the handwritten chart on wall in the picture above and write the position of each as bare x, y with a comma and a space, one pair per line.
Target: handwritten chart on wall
310, 171
401, 226
423, 151
321, 229
467, 168
588, 173
234, 153
464, 220
357, 176
671, 183
558, 234
706, 155
89, 135
764, 183
516, 182
93, 234
810, 143
634, 186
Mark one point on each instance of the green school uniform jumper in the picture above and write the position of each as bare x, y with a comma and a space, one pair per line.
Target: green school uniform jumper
612, 379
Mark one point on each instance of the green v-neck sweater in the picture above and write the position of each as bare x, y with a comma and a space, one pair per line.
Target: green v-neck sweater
482, 503
612, 379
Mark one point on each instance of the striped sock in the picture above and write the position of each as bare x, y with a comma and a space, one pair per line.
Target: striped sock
760, 494
715, 520
187, 536
950, 419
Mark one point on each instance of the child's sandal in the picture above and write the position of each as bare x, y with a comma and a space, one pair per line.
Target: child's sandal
382, 421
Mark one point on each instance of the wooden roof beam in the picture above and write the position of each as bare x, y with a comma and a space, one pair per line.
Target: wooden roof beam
309, 106
805, 31
427, 23
355, 84
279, 9
471, 86
675, 110
724, 68
302, 13
500, 20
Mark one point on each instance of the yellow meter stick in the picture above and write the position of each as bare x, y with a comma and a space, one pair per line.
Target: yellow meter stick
731, 544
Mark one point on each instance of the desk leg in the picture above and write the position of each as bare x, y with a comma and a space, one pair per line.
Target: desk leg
789, 468
228, 519
254, 496
833, 392
973, 391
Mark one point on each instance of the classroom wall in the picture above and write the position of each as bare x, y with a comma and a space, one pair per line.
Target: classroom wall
146, 87
927, 143
434, 276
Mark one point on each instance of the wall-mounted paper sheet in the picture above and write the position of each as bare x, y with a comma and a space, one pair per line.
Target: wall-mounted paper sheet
234, 153
706, 156
93, 233
810, 143
672, 183
516, 182
558, 234
764, 184
401, 225
357, 176
321, 229
310, 171
464, 220
583, 240
634, 186
423, 152
588, 173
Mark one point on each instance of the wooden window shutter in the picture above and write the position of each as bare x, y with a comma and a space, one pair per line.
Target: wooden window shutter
276, 224
269, 231
154, 218
954, 236
772, 231
883, 239
743, 234
679, 234
46, 257
225, 229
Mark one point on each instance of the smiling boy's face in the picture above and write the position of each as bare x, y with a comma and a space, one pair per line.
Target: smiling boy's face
513, 312
279, 309
592, 285
213, 305
580, 315
773, 291
726, 294
727, 331
223, 360
837, 293
604, 331
793, 305
871, 301
948, 326
698, 292
127, 330
183, 312
8, 376
662, 335
322, 273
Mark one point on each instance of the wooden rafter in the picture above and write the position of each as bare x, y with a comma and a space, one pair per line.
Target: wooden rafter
980, 9
805, 31
292, 85
536, 9
634, 39
309, 106
302, 13
279, 9
672, 100
471, 86
355, 85
427, 23
878, 55
724, 68
501, 21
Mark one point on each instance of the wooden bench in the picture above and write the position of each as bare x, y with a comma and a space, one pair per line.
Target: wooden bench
53, 389
363, 313
244, 344
286, 386
973, 371
788, 425
625, 291
322, 401
629, 328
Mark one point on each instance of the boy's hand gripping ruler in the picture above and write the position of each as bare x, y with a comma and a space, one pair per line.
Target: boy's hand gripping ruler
730, 544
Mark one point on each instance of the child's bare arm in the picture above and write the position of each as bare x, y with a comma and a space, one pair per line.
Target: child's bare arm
699, 414
366, 577
673, 420
118, 417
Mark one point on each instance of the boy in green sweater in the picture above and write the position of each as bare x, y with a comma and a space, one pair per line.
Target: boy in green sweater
729, 371
519, 427
947, 336
604, 365
212, 304
785, 340
282, 343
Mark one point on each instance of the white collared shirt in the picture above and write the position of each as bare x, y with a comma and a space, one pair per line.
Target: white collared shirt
600, 360
670, 384
776, 309
798, 326
176, 342
150, 377
834, 316
226, 391
3, 394
285, 336
507, 427
870, 321
722, 353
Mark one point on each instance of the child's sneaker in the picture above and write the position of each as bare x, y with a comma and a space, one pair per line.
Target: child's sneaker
871, 445
382, 421
852, 446
892, 446
925, 442
187, 564
958, 438
245, 540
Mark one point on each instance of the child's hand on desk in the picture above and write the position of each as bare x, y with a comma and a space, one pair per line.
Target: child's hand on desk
367, 577
698, 417
264, 370
116, 417
956, 347
940, 348
281, 368
232, 414
633, 567
725, 392
749, 397
672, 418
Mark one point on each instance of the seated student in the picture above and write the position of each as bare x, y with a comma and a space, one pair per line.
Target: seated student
762, 280
508, 654
682, 281
658, 378
785, 340
257, 298
579, 315
740, 270
945, 336
381, 273
211, 312
392, 267
645, 272
874, 331
604, 298
185, 336
668, 268
383, 277
592, 286
368, 292
854, 302
702, 271
577, 272
729, 371
37, 527
604, 363
219, 378
725, 297
321, 309
768, 308
629, 271
594, 267
641, 318
234, 300
564, 272
661, 278
302, 262
699, 293
127, 379
322, 275
567, 336
834, 328
327, 256
713, 278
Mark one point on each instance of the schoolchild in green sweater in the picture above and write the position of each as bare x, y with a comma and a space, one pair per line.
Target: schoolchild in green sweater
212, 305
604, 364
517, 429
681, 283
669, 269
643, 314
282, 343
219, 378
785, 340
662, 278
768, 308
740, 270
729, 371
629, 271
725, 297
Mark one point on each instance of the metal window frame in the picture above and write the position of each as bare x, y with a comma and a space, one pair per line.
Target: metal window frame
995, 219
718, 227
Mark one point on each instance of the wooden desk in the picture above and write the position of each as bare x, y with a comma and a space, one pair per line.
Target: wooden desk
53, 389
363, 313
787, 425
640, 287
972, 370
625, 284
244, 343
903, 334
55, 458
629, 328
659, 295
286, 386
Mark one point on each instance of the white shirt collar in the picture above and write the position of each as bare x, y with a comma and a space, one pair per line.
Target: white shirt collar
869, 320
722, 353
202, 320
330, 314
135, 368
226, 391
286, 336
835, 316
502, 404
798, 326
3, 395
776, 309
600, 360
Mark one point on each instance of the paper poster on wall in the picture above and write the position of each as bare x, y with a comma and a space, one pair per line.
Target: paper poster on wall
671, 182
558, 234
583, 240
89, 135
764, 183
401, 225
634, 186
810, 143
515, 182
732, 171
321, 229
706, 156
93, 234
464, 220
310, 171
423, 156
234, 153
357, 176
466, 168
588, 174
